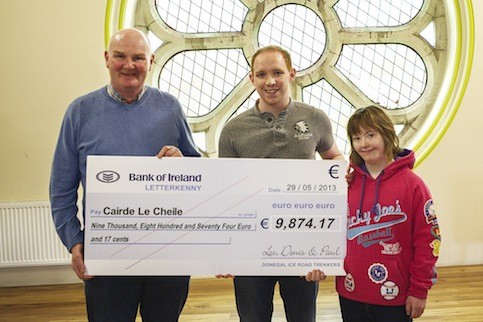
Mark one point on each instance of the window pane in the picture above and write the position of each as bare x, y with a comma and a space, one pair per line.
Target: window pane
377, 13
299, 30
202, 15
202, 79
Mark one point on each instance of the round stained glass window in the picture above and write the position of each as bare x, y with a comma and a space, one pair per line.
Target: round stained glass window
410, 57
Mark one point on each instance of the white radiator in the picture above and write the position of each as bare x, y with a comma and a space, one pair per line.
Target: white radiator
28, 236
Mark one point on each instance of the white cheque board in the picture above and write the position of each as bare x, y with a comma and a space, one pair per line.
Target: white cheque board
199, 216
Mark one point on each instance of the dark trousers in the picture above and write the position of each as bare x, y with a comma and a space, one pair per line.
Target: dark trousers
353, 311
117, 299
254, 298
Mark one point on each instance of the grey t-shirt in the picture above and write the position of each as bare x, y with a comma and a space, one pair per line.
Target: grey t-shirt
297, 133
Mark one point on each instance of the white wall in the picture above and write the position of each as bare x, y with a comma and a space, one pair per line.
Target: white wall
454, 170
52, 51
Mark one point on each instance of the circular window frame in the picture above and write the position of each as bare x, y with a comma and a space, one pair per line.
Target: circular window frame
454, 77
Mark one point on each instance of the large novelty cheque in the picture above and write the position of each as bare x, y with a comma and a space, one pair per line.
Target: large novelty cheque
198, 216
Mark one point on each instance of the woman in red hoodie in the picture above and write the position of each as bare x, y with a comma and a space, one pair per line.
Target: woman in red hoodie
393, 235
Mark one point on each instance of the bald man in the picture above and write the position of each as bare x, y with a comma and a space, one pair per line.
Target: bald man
124, 118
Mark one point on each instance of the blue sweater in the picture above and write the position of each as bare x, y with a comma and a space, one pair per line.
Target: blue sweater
96, 124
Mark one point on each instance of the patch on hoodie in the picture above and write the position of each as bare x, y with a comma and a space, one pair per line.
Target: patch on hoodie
377, 273
435, 245
349, 283
430, 212
435, 232
389, 290
373, 226
390, 249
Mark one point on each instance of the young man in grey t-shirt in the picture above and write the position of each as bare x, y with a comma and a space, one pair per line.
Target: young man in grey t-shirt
277, 127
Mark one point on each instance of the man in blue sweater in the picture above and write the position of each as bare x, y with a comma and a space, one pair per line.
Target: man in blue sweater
126, 118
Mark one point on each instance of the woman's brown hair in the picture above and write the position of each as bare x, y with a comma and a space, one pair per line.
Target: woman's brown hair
373, 118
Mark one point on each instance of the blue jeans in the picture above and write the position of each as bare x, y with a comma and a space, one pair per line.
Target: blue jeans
353, 311
117, 299
254, 298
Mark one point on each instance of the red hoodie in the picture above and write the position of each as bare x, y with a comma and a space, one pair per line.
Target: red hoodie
392, 236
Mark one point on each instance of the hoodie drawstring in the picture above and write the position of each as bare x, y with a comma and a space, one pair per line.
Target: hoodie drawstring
362, 196
375, 209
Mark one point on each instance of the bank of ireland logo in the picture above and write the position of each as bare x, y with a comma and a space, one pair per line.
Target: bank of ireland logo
377, 273
108, 176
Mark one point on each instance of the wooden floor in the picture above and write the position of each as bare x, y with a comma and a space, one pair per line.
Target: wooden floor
458, 297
